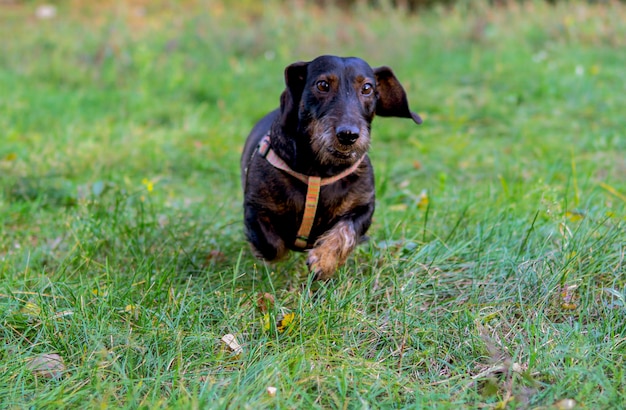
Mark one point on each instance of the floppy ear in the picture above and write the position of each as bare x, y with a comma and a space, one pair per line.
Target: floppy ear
295, 79
392, 101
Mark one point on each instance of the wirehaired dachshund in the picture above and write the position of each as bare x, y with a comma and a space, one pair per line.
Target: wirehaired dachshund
307, 179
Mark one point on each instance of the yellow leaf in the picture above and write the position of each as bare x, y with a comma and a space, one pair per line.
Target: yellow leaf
130, 309
285, 321
574, 216
31, 309
148, 184
423, 199
99, 292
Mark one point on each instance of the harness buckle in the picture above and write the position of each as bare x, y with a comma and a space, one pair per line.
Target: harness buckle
264, 147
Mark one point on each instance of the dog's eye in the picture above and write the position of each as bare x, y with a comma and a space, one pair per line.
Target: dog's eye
367, 89
323, 86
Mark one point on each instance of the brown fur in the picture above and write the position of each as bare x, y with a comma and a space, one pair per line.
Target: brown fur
321, 128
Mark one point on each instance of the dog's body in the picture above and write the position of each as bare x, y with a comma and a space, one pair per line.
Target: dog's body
322, 129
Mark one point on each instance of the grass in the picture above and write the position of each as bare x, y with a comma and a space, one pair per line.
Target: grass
495, 274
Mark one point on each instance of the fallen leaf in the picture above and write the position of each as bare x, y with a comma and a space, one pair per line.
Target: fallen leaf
574, 216
31, 309
283, 321
148, 184
48, 365
265, 302
232, 344
565, 404
215, 256
63, 313
568, 301
99, 292
130, 308
422, 200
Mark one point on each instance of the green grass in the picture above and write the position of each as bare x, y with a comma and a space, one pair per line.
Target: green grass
121, 245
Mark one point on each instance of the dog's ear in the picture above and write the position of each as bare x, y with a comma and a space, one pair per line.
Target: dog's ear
392, 101
295, 79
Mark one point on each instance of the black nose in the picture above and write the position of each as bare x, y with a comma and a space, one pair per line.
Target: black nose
347, 134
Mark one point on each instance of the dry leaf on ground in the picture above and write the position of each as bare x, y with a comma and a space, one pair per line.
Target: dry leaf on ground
231, 342
48, 365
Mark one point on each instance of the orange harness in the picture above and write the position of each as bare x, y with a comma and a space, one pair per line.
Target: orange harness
313, 187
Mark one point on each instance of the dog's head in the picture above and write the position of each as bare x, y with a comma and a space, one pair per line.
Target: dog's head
332, 101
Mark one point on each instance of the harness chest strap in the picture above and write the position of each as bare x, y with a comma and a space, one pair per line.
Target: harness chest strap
310, 207
313, 183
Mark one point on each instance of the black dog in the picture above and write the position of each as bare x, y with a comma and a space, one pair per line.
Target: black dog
308, 182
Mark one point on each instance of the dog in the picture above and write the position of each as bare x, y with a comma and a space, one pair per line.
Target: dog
308, 182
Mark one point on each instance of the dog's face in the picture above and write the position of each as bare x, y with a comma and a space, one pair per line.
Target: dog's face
337, 107
331, 101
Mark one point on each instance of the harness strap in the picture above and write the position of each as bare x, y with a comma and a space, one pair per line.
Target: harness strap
310, 207
313, 183
268, 153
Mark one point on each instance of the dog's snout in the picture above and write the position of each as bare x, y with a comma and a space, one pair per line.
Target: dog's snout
347, 134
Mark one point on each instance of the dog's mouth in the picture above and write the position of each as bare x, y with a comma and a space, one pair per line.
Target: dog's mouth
342, 154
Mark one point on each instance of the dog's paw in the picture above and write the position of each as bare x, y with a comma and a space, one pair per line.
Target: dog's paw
331, 250
322, 265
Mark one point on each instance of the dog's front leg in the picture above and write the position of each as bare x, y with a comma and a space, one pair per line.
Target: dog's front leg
332, 249
265, 242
